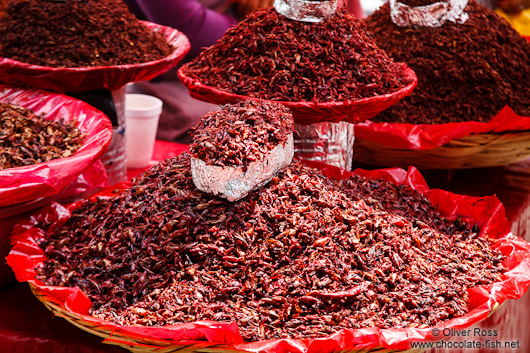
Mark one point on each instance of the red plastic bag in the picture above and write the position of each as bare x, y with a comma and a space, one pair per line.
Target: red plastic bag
22, 187
488, 212
79, 79
423, 136
311, 112
94, 178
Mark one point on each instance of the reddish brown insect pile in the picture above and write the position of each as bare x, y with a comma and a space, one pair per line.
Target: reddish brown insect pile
77, 33
302, 257
27, 139
466, 71
270, 57
241, 133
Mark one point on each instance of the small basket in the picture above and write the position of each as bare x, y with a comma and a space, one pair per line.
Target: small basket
472, 151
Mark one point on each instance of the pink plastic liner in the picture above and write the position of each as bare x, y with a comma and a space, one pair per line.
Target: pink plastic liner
79, 79
488, 212
352, 111
44, 180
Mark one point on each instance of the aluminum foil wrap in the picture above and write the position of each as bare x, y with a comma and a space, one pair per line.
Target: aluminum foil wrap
433, 15
115, 158
234, 183
330, 143
306, 11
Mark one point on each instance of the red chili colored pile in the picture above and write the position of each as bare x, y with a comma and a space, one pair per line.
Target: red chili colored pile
241, 133
27, 139
302, 257
77, 33
268, 56
466, 71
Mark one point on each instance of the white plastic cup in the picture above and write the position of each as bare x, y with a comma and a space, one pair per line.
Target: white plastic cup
141, 121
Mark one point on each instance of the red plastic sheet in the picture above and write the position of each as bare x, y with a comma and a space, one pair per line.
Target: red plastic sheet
92, 179
423, 136
487, 212
22, 187
79, 79
311, 112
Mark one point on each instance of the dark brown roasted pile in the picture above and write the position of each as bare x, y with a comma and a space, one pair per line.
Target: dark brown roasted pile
27, 139
466, 72
241, 133
77, 33
270, 57
303, 257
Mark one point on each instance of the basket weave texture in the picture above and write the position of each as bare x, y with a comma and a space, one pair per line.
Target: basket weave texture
144, 344
472, 151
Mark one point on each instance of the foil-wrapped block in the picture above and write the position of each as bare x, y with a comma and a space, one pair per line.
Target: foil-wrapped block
433, 15
306, 11
235, 182
330, 143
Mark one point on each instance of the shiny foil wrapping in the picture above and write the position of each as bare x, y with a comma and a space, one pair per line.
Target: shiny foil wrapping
234, 183
330, 143
433, 15
306, 11
115, 158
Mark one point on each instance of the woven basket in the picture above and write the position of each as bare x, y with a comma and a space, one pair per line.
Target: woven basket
473, 151
134, 344
147, 344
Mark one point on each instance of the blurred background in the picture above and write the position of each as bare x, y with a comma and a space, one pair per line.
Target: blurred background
370, 6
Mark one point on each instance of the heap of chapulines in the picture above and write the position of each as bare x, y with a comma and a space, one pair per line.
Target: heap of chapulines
466, 71
27, 139
401, 200
271, 57
302, 257
241, 133
77, 33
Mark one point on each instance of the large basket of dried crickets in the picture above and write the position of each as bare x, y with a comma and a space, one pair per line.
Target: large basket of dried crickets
470, 108
316, 259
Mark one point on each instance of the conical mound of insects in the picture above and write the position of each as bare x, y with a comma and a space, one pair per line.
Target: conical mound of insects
77, 33
466, 71
271, 57
304, 256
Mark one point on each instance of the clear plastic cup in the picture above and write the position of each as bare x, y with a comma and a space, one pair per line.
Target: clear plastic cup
141, 121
